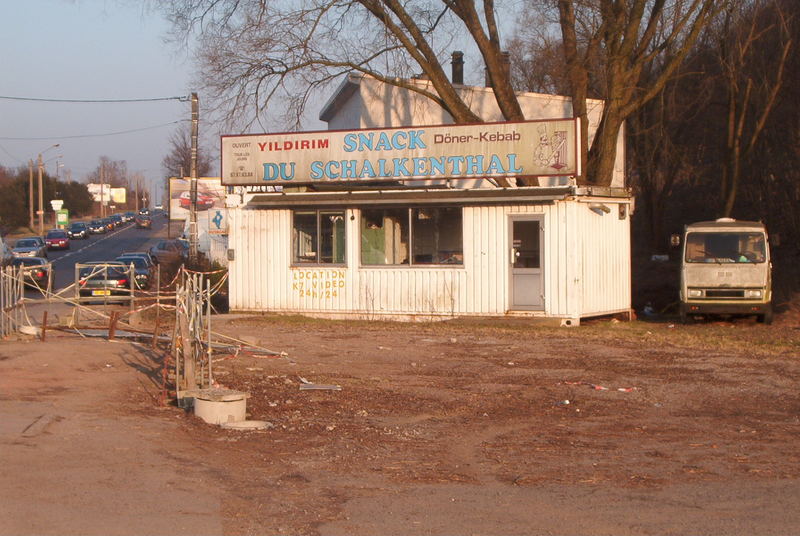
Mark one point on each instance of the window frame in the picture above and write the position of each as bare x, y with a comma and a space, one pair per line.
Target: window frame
318, 213
410, 210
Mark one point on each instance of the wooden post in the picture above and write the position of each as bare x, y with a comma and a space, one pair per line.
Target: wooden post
155, 329
44, 326
112, 325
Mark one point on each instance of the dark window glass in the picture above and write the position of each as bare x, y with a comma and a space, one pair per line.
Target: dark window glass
430, 235
318, 237
437, 235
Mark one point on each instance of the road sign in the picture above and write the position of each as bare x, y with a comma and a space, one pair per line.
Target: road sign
218, 221
62, 217
57, 203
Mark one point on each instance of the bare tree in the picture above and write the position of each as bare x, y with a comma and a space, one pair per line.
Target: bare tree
115, 172
260, 56
753, 75
537, 56
178, 161
626, 37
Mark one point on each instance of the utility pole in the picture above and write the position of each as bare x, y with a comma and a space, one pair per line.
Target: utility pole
30, 193
102, 188
137, 195
40, 212
193, 178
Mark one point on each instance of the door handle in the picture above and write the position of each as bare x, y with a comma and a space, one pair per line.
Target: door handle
514, 255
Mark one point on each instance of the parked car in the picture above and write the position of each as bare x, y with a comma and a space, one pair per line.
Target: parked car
204, 201
142, 273
78, 230
56, 239
36, 271
143, 221
168, 251
97, 227
29, 247
149, 259
104, 278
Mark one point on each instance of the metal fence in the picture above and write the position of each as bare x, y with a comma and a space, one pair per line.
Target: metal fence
191, 348
12, 292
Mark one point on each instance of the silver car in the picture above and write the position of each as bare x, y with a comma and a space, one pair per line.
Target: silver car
30, 247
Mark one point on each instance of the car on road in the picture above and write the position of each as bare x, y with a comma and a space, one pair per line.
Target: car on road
56, 239
104, 278
143, 221
168, 251
29, 247
117, 219
36, 271
142, 273
78, 230
109, 223
97, 227
204, 201
128, 216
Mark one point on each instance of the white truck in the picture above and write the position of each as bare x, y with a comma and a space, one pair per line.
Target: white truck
726, 270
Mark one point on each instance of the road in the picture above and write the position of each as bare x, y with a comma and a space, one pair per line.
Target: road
104, 248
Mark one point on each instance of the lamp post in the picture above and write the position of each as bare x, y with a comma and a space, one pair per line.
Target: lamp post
40, 212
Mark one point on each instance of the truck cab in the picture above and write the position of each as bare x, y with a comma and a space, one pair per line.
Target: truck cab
726, 270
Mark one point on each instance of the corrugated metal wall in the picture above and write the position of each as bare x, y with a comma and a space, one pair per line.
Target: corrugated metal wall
586, 268
606, 250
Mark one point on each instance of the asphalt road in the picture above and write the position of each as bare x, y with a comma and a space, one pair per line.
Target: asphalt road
105, 247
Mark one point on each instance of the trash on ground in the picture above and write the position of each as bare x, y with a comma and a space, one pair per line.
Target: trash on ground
306, 385
597, 387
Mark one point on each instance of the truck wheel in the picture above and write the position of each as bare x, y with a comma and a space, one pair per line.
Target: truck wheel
684, 316
766, 318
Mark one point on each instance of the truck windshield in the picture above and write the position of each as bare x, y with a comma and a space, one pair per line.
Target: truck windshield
725, 247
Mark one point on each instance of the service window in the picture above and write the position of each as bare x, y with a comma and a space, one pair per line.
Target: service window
412, 236
318, 237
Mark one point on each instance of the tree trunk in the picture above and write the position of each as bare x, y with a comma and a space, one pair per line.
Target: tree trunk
602, 155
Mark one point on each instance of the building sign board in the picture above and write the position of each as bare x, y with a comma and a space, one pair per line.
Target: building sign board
495, 150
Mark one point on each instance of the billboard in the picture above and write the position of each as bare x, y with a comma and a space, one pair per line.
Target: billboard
96, 190
109, 193
118, 195
210, 194
508, 149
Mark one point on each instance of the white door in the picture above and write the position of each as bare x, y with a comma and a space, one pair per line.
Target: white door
525, 258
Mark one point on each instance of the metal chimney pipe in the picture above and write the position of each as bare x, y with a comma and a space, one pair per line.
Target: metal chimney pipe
458, 67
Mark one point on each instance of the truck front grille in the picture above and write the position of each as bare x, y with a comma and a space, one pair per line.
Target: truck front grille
725, 293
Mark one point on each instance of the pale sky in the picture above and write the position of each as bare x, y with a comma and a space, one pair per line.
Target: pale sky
95, 50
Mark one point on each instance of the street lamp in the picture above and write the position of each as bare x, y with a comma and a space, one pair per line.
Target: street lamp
40, 212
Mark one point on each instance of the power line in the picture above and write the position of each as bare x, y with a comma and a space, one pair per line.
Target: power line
9, 154
183, 98
76, 136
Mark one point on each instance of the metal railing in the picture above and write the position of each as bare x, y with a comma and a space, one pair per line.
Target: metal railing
12, 292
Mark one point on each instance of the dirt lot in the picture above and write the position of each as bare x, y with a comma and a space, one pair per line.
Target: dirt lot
452, 428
